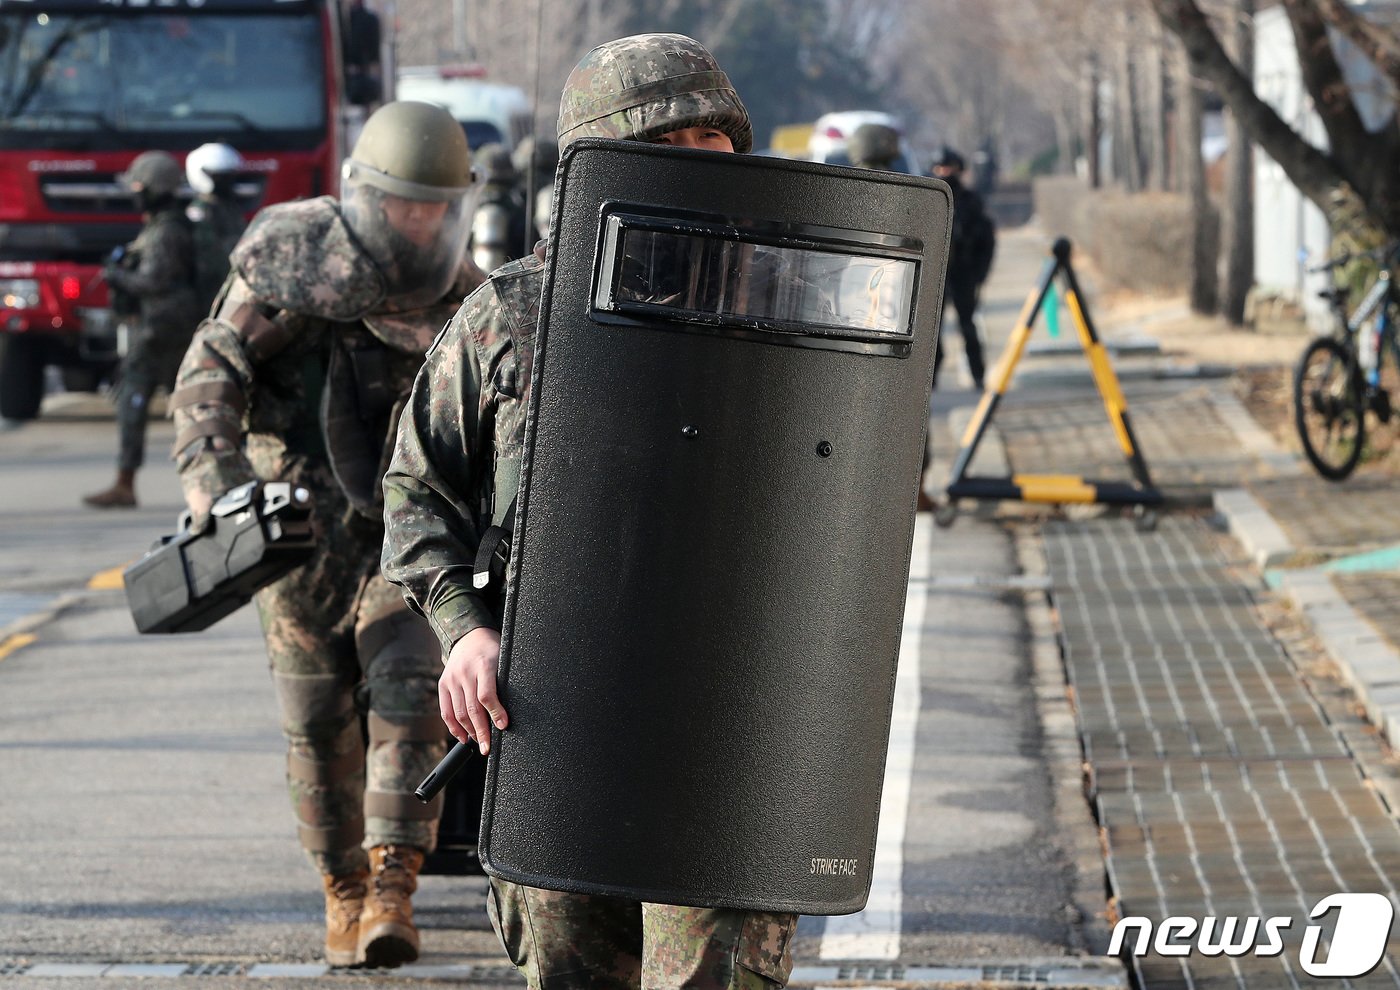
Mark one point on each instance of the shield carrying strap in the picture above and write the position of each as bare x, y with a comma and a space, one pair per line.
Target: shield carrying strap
493, 553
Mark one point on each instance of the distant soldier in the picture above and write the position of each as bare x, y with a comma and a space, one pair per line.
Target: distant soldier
215, 215
499, 223
157, 272
536, 159
361, 40
873, 146
969, 260
299, 375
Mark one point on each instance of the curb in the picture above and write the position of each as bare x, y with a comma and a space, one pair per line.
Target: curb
1366, 661
1252, 524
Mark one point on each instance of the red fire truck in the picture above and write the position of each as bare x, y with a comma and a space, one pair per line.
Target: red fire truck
85, 86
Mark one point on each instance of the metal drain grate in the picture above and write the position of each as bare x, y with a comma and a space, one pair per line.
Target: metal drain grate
11, 968
1018, 974
871, 973
216, 969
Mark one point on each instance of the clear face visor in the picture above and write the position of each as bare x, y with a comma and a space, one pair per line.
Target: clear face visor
724, 279
416, 234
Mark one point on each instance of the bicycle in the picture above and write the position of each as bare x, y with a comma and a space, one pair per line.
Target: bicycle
1338, 378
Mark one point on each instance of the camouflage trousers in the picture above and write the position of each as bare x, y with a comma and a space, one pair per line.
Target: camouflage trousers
148, 364
356, 677
562, 941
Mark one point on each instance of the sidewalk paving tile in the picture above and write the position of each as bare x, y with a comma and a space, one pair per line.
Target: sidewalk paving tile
1324, 516
1221, 786
1377, 598
1188, 447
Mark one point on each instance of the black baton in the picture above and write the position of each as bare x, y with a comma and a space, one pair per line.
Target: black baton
451, 764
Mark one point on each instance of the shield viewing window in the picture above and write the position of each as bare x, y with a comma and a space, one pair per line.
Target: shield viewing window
809, 290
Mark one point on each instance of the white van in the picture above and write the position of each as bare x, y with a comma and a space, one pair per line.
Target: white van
488, 111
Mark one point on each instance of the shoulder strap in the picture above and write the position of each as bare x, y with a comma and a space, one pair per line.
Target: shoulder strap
493, 553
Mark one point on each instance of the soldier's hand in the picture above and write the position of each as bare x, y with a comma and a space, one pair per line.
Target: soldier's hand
467, 689
199, 503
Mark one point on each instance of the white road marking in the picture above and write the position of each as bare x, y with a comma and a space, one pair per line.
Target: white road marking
874, 932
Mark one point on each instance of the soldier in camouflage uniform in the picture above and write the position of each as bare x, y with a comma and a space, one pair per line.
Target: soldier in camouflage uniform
157, 270
299, 375
456, 471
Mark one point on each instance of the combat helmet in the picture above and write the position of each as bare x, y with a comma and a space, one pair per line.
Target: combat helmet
535, 154
494, 164
403, 194
873, 146
641, 87
156, 173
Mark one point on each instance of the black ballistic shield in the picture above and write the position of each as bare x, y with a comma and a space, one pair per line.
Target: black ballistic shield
713, 536
188, 581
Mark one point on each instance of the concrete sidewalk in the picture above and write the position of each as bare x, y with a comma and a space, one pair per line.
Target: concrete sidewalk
1230, 775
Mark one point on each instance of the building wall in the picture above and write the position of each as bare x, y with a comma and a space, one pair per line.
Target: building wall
1290, 233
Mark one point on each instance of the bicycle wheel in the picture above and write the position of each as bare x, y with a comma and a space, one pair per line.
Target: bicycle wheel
1329, 407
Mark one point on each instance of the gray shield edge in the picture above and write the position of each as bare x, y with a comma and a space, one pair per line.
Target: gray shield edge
711, 557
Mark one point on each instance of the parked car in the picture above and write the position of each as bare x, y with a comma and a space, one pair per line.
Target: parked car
489, 112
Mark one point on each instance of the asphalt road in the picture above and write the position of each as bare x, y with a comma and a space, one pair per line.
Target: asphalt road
145, 820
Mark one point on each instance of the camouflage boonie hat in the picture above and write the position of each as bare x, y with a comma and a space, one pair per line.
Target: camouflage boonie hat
641, 87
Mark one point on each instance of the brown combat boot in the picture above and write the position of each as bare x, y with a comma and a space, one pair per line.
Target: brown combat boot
387, 935
122, 494
345, 899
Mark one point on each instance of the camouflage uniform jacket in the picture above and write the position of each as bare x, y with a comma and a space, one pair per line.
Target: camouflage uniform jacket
456, 467
301, 293
163, 278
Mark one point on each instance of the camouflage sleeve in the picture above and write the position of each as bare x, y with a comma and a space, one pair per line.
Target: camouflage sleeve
211, 394
164, 266
431, 524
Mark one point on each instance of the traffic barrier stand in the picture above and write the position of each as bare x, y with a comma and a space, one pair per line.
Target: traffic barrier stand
1055, 489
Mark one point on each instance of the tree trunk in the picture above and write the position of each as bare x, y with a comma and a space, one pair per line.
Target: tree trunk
1127, 147
1064, 140
1154, 73
1203, 289
1237, 219
1093, 124
1308, 168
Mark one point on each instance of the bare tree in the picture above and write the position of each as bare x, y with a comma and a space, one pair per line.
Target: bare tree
1127, 147
1357, 164
1237, 209
1202, 289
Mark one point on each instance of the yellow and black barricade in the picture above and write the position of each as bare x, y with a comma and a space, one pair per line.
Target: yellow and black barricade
1051, 488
